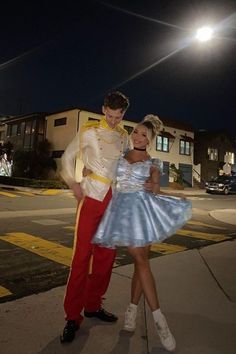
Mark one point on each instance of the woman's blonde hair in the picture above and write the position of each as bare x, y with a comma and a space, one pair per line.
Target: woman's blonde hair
153, 125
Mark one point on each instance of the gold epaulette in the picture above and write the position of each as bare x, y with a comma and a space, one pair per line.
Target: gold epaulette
90, 124
122, 130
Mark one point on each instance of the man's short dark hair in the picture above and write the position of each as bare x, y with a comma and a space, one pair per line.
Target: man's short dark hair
116, 100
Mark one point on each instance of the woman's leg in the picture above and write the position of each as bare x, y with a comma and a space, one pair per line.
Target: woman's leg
143, 280
136, 293
136, 288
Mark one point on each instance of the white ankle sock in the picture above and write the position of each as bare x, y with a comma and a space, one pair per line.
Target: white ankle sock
157, 315
133, 306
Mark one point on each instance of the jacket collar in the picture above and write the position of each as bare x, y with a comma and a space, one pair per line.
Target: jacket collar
103, 124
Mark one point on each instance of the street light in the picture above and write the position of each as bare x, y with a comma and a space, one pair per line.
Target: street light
204, 34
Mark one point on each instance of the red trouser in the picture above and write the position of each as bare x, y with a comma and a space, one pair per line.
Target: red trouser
84, 290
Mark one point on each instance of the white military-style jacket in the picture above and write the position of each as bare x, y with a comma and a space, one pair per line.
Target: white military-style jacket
99, 147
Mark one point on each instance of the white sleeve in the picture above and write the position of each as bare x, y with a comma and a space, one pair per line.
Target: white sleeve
127, 144
158, 164
69, 158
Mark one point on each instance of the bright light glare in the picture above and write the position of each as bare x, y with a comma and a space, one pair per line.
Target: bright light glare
204, 34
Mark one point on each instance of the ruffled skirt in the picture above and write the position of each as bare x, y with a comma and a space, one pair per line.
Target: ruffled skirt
137, 219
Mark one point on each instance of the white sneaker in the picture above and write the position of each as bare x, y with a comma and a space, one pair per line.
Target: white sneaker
166, 337
130, 319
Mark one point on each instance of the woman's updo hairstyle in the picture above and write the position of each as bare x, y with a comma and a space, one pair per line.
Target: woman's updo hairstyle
153, 124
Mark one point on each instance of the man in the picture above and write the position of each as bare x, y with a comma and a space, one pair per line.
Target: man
99, 145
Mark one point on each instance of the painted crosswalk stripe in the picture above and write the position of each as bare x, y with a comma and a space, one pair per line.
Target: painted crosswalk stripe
203, 235
72, 228
199, 223
10, 195
4, 291
47, 249
167, 248
51, 192
26, 193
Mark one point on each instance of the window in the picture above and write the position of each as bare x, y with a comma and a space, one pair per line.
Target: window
56, 154
41, 127
14, 129
95, 119
60, 121
18, 130
29, 136
128, 128
162, 143
28, 127
184, 147
229, 157
212, 154
9, 130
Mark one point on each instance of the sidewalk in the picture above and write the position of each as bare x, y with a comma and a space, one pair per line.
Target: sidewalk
197, 291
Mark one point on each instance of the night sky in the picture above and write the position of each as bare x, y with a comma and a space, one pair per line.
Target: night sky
53, 57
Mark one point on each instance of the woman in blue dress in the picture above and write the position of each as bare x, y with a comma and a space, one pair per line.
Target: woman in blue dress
137, 218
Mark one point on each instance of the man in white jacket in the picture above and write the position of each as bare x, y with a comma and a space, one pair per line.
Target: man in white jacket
99, 145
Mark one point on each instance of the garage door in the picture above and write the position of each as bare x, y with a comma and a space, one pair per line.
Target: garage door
165, 176
187, 173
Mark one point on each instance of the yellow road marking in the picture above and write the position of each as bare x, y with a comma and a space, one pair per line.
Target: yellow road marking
26, 193
167, 248
199, 223
6, 194
4, 291
50, 250
69, 228
203, 235
51, 192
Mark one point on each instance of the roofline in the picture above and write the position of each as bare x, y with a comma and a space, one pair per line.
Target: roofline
24, 116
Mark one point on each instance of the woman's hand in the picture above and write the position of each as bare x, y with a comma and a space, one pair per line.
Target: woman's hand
154, 180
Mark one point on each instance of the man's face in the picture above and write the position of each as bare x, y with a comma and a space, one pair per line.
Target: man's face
113, 116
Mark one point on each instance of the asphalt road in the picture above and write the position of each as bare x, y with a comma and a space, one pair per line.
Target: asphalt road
36, 238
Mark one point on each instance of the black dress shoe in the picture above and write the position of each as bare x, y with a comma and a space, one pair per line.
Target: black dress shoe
69, 332
102, 314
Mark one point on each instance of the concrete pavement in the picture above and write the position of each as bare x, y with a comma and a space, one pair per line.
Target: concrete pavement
197, 291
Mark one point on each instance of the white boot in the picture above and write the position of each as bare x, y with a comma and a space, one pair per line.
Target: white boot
166, 337
130, 318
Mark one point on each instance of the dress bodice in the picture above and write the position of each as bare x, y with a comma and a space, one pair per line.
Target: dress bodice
132, 176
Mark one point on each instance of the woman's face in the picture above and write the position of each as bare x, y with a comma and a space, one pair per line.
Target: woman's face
139, 137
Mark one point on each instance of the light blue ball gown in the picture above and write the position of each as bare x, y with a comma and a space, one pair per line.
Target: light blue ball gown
136, 217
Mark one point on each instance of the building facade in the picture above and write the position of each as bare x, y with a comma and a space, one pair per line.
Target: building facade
174, 144
216, 152
25, 131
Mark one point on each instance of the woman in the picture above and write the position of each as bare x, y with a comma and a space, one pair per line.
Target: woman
136, 218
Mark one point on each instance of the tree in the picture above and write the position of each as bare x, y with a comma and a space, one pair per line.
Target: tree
34, 164
6, 148
6, 159
176, 174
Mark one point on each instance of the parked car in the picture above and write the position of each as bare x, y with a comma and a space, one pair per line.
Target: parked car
221, 184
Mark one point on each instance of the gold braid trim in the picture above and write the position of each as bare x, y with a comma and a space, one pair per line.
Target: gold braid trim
122, 130
88, 125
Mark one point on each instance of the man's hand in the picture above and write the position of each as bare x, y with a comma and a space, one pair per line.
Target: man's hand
77, 190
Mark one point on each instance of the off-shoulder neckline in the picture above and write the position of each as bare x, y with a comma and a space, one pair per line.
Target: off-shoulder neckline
133, 163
